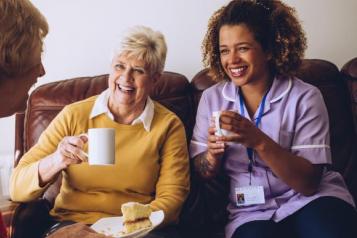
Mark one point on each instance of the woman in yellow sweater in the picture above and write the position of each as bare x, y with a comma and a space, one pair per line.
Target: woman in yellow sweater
151, 164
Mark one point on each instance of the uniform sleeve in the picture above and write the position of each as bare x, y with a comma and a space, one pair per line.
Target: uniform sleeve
311, 135
24, 181
200, 132
174, 182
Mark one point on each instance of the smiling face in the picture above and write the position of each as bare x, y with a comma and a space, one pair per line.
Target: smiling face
130, 84
242, 57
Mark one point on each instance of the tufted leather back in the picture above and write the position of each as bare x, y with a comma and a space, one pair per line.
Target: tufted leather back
172, 90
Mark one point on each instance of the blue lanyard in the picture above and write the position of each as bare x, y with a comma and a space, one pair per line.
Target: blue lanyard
257, 122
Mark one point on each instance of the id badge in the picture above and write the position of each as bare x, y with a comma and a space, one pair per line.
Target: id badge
249, 195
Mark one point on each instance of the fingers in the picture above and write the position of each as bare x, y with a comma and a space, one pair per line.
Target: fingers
70, 149
232, 118
84, 137
216, 145
77, 141
211, 130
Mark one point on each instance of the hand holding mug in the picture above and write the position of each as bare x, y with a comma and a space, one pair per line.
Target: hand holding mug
218, 124
216, 148
241, 130
70, 151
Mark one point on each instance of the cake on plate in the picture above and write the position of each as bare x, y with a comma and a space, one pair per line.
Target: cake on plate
135, 216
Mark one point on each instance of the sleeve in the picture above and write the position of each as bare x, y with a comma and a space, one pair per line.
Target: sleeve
311, 135
24, 181
200, 131
174, 180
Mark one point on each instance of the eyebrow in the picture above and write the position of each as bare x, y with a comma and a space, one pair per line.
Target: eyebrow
118, 61
139, 67
238, 44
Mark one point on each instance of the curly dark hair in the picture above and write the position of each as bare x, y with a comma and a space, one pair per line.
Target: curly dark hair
274, 25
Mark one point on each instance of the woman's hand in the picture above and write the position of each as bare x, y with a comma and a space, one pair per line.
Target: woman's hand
297, 172
69, 151
246, 133
208, 164
216, 146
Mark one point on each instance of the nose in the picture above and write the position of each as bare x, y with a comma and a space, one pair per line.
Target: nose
126, 76
234, 57
42, 70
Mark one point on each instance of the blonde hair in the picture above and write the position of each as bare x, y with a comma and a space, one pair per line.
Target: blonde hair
22, 29
143, 43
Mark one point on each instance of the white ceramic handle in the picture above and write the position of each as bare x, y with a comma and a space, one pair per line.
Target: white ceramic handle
217, 125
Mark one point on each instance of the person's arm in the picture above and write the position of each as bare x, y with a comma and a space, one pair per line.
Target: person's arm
300, 168
206, 149
299, 173
43, 162
208, 164
174, 179
69, 151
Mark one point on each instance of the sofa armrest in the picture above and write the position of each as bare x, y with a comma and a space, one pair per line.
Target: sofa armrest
7, 209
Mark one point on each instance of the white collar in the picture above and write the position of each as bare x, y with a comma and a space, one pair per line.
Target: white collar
101, 107
281, 86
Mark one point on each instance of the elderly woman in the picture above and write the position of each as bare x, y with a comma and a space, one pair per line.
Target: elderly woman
20, 53
151, 164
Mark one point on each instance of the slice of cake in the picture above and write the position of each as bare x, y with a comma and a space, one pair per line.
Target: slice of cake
136, 216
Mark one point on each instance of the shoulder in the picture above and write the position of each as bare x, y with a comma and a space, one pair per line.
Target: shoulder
80, 108
302, 88
166, 120
306, 96
215, 90
83, 104
164, 113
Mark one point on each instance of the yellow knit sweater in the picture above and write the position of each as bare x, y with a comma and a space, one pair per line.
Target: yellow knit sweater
150, 167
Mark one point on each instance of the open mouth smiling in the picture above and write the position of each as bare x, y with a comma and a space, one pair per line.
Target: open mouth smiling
238, 71
125, 89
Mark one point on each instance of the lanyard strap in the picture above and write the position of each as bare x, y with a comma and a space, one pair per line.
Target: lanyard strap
257, 122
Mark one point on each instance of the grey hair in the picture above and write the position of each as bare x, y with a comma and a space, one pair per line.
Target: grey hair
145, 44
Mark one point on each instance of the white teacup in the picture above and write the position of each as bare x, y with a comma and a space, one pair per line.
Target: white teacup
219, 130
101, 146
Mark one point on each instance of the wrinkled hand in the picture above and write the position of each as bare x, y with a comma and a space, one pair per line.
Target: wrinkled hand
247, 133
69, 151
77, 230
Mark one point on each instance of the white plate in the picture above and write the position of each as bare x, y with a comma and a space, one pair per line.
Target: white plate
112, 226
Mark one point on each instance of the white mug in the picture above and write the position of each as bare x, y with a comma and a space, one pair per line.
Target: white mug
217, 125
101, 146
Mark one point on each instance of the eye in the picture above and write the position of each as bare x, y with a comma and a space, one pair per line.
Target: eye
119, 67
243, 49
224, 51
139, 71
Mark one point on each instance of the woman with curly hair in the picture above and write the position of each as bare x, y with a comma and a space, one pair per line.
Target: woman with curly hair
266, 129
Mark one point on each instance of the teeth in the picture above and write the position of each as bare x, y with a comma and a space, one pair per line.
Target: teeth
125, 88
238, 70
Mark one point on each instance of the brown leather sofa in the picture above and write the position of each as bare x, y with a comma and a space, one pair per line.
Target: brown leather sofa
204, 213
